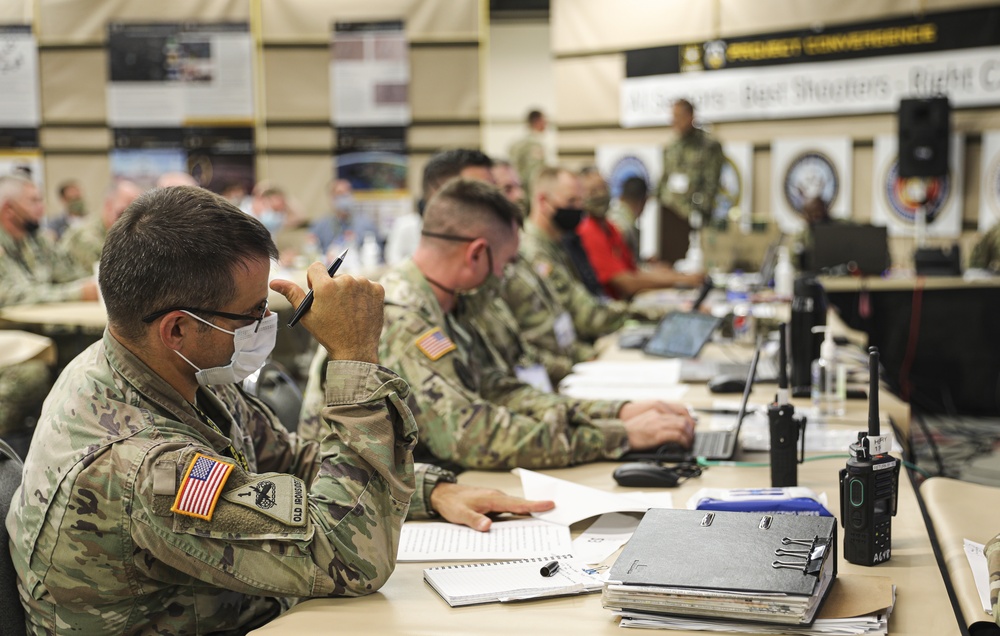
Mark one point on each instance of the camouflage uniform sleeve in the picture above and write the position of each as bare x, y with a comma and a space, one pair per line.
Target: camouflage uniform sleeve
592, 317
526, 399
712, 169
459, 424
428, 477
271, 534
985, 254
19, 289
81, 246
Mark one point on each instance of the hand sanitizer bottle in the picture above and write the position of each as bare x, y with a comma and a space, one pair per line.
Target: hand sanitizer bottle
784, 274
829, 379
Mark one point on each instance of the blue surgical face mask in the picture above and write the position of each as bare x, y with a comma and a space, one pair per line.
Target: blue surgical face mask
251, 347
344, 202
272, 220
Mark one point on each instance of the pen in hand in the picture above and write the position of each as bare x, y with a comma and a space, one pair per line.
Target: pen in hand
308, 300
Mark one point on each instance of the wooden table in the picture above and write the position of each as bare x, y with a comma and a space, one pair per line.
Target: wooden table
407, 605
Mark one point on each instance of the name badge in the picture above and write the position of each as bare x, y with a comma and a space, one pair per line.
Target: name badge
563, 328
536, 376
678, 183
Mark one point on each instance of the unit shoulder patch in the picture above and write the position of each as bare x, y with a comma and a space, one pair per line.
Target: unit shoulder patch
281, 497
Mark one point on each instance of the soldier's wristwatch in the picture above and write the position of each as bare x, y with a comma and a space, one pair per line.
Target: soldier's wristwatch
432, 477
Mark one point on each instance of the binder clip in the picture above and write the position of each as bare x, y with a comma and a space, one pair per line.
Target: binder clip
809, 559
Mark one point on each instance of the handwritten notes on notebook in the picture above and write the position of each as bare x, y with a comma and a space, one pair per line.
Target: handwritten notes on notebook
515, 539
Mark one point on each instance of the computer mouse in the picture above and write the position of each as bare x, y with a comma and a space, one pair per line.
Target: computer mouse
727, 384
645, 475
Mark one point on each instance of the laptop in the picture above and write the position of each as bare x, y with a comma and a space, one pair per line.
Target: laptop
836, 245
714, 445
681, 334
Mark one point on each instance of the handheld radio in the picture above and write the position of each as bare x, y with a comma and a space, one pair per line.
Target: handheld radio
869, 487
786, 429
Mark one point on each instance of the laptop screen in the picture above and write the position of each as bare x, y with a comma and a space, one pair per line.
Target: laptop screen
837, 244
749, 384
681, 335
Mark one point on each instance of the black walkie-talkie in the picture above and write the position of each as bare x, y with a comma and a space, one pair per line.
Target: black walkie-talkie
787, 430
869, 487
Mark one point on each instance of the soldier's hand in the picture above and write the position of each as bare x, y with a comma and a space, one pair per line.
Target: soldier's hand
652, 429
632, 409
468, 506
346, 314
89, 290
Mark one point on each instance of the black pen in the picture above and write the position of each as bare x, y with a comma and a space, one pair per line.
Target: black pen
550, 568
308, 300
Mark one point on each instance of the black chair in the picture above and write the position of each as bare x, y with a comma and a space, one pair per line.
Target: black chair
11, 612
272, 385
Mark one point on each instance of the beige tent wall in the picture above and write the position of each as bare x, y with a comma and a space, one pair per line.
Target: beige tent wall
589, 38
518, 79
294, 135
471, 82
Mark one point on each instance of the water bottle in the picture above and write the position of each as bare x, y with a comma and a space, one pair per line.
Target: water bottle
371, 254
738, 296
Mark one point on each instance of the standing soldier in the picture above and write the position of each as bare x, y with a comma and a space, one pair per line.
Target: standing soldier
528, 153
690, 182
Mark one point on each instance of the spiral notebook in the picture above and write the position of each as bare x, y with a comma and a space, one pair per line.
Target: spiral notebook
511, 580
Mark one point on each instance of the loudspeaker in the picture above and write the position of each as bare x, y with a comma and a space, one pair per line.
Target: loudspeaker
924, 131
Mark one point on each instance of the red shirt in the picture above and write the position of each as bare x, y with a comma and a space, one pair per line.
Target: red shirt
606, 248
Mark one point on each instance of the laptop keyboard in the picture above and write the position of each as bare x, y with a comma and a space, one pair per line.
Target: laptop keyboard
711, 444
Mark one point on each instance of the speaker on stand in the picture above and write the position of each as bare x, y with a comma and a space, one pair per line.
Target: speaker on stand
924, 129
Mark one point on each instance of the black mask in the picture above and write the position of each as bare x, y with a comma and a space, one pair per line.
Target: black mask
566, 219
28, 225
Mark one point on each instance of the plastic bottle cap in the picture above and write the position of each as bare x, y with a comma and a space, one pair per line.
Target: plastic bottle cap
827, 350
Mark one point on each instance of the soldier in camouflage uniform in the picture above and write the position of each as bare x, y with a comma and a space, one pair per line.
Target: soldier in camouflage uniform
159, 498
527, 154
31, 269
986, 253
471, 412
554, 310
82, 243
692, 165
625, 211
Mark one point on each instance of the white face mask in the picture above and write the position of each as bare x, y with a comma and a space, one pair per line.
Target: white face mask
251, 347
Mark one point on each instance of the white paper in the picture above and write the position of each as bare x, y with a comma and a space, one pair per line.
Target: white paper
823, 434
658, 372
515, 539
18, 77
608, 533
604, 392
980, 572
575, 502
536, 376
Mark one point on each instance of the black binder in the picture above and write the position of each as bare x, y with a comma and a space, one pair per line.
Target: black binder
684, 553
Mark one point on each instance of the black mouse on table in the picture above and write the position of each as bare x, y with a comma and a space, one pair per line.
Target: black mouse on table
727, 384
646, 475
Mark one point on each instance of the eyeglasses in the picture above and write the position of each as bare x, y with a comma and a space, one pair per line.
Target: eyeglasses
221, 314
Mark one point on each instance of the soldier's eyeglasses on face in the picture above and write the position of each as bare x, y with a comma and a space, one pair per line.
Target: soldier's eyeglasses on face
248, 318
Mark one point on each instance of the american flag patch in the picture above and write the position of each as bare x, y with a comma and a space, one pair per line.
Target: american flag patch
201, 487
435, 344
